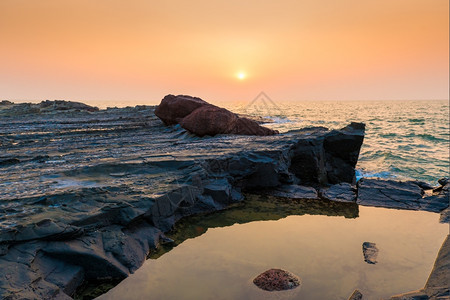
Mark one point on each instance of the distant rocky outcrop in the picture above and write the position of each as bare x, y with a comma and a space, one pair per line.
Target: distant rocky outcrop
8, 108
202, 118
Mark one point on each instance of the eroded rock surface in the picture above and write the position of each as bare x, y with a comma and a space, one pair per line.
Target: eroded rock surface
276, 280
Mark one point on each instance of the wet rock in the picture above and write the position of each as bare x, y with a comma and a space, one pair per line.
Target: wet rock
329, 158
43, 230
295, 192
341, 192
370, 252
415, 295
389, 193
9, 161
276, 280
445, 216
202, 118
341, 149
87, 252
356, 295
443, 181
66, 276
438, 283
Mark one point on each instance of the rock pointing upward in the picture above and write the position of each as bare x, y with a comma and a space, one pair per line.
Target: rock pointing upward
202, 118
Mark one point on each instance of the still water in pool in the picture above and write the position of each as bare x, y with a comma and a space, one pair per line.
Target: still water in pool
324, 251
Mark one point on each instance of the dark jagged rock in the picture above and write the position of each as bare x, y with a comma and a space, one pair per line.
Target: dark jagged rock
329, 158
443, 181
370, 252
341, 192
276, 280
202, 118
400, 194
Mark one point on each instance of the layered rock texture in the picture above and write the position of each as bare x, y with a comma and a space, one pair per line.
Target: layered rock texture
201, 118
88, 195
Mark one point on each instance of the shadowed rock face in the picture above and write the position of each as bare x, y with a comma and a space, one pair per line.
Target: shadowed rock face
202, 118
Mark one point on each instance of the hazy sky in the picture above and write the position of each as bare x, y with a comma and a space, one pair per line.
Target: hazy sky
141, 50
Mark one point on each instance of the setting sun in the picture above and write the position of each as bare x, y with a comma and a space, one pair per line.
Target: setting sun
241, 75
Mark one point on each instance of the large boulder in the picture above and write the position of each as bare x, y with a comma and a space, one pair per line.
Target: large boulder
202, 118
210, 120
173, 109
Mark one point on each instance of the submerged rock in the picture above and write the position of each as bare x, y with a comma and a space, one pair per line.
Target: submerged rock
356, 295
276, 280
201, 118
370, 252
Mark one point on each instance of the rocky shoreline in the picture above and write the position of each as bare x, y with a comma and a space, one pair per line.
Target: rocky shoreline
50, 238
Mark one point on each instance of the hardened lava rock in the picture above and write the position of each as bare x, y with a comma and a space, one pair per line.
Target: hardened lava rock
276, 280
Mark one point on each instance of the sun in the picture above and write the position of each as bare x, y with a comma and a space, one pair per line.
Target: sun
241, 75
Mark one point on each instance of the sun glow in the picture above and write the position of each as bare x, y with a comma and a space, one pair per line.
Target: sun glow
241, 76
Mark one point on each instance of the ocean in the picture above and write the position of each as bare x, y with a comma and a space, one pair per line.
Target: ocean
403, 140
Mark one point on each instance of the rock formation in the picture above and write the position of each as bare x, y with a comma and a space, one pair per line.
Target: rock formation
97, 213
370, 252
276, 280
202, 118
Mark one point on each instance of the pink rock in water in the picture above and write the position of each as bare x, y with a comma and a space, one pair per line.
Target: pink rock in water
276, 280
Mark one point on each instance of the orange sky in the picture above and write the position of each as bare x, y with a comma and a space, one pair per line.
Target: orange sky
137, 51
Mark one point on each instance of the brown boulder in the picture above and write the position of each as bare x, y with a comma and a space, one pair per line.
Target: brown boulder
173, 109
210, 120
202, 118
276, 280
